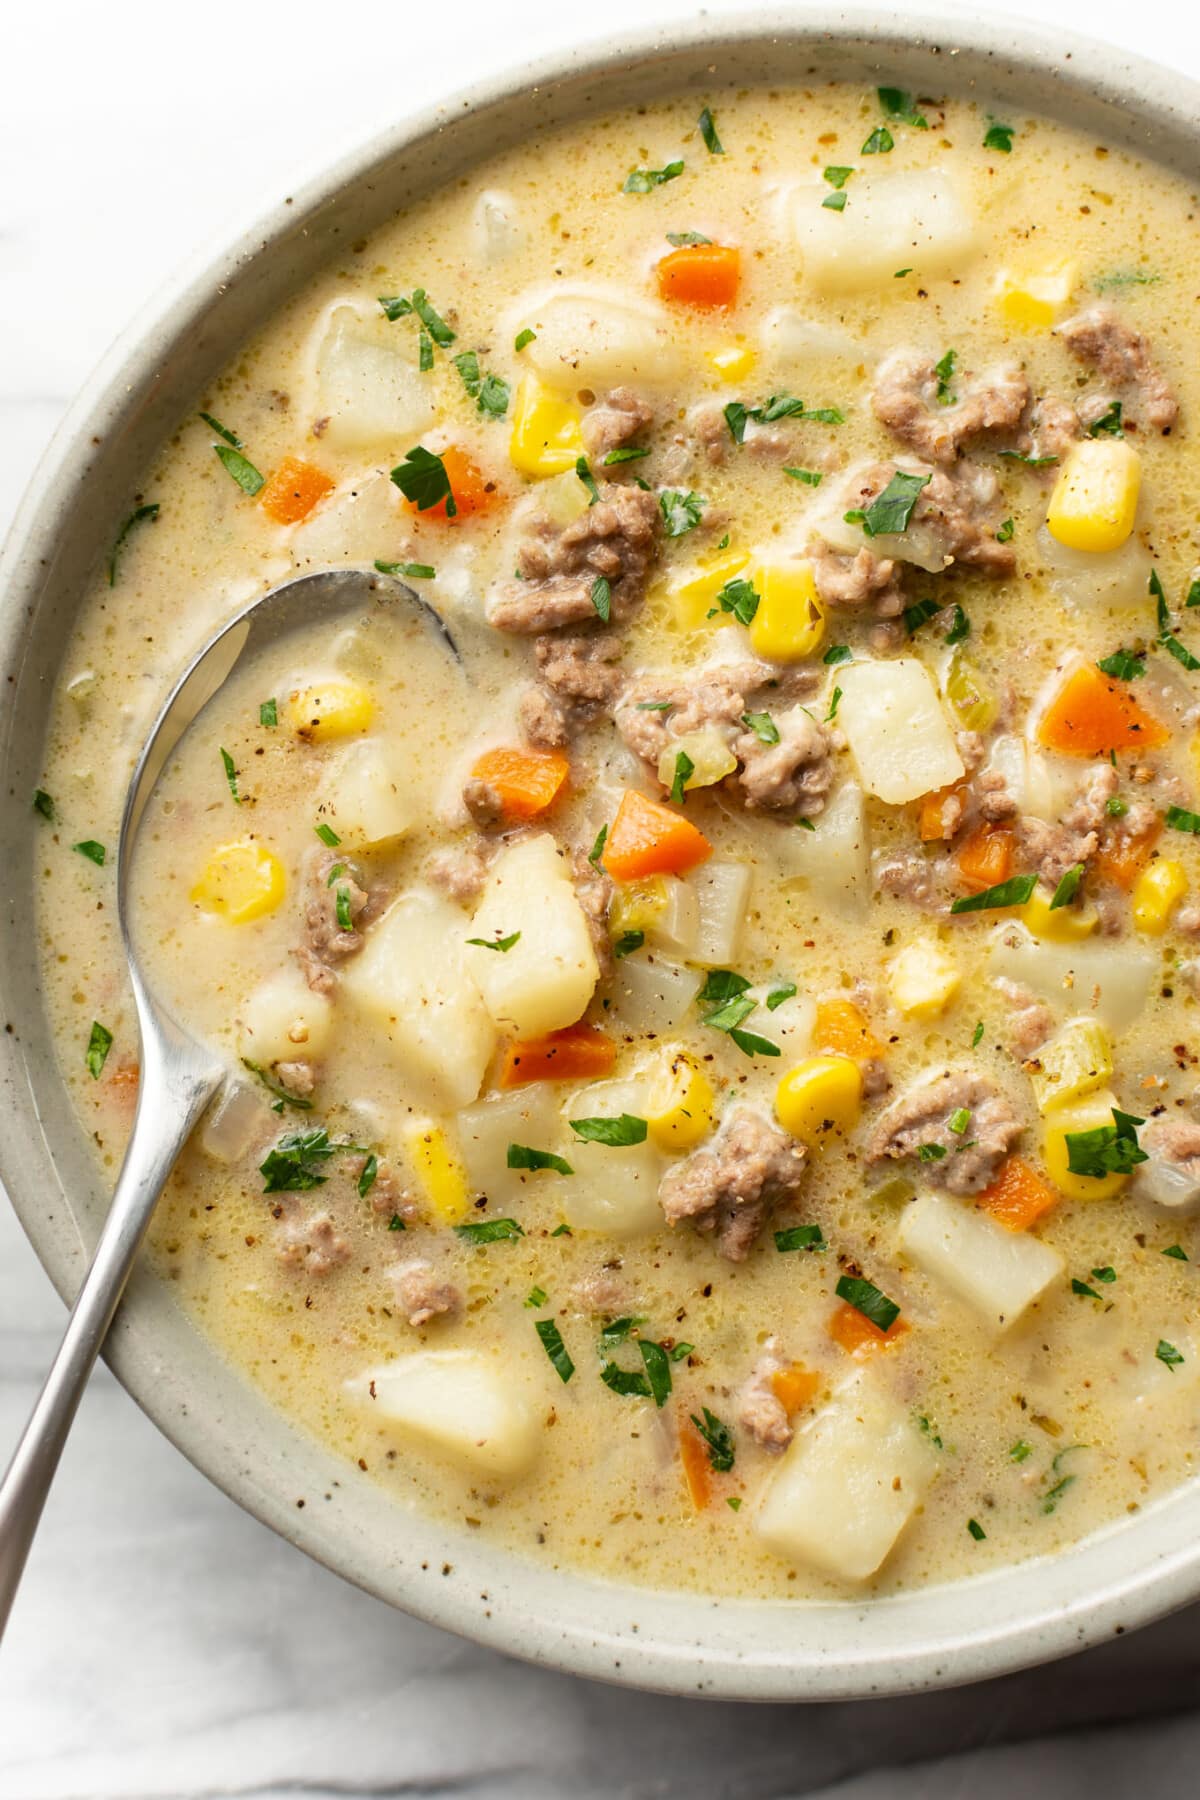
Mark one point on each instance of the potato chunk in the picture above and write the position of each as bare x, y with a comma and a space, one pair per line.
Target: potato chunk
848, 1484
474, 1407
283, 1019
545, 980
613, 1189
897, 732
591, 335
365, 380
913, 218
411, 984
998, 1272
369, 795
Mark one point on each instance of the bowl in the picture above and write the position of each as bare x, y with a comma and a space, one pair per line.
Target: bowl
1120, 1577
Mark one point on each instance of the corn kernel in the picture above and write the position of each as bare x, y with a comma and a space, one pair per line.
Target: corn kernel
240, 881
707, 751
439, 1174
821, 1094
1157, 892
638, 905
693, 598
789, 622
333, 710
1078, 1115
1065, 925
1095, 498
923, 980
975, 705
681, 1105
546, 439
1073, 1062
1033, 301
732, 363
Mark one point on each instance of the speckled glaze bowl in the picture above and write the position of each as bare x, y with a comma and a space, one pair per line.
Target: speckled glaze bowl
1120, 1578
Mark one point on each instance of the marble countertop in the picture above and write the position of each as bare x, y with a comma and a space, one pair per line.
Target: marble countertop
165, 1644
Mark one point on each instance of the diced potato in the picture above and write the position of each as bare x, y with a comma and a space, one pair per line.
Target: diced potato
1086, 1114
820, 1095
360, 521
651, 994
805, 347
664, 907
997, 1272
496, 229
722, 892
240, 881
1166, 1183
789, 621
681, 1102
1075, 1060
1096, 580
788, 1023
411, 982
546, 439
923, 979
329, 709
912, 218
923, 544
547, 978
708, 752
369, 797
440, 1175
529, 1116
694, 595
848, 1484
612, 1189
560, 498
590, 335
733, 362
481, 1410
896, 730
1111, 982
366, 381
1033, 301
835, 856
1156, 893
283, 1018
1094, 503
1033, 781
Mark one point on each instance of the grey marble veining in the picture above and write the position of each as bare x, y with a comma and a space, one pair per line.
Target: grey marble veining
165, 1644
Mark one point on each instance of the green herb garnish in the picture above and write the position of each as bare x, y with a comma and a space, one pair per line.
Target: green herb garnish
869, 1300
136, 517
522, 1156
718, 1440
423, 480
644, 181
502, 944
800, 1237
1014, 892
680, 511
489, 1231
1106, 1149
100, 1042
999, 137
553, 1345
708, 132
617, 1133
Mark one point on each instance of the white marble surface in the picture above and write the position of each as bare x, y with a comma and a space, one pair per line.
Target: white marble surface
165, 1644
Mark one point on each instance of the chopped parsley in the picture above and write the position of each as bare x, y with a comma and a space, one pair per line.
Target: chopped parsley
1081, 1287
681, 512
1179, 819
944, 371
685, 768
241, 468
999, 137
396, 1223
869, 1300
222, 431
341, 906
423, 480
524, 337
136, 517
763, 726
1109, 423
835, 202
490, 394
959, 1119
1168, 1354
503, 944
92, 850
617, 1133
687, 240
627, 943
43, 803
489, 1231
1068, 887
268, 714
919, 613
658, 1370
1031, 462
1124, 278
977, 1036
739, 597
973, 1526
708, 132
552, 1343
718, 1440
231, 776
775, 407
838, 174
537, 1296
522, 1156
626, 453
834, 703
721, 984
1005, 530
602, 598
810, 477
588, 479
282, 1094
1014, 892
1106, 1149
800, 1237
644, 181
1020, 1451
412, 571
889, 513
779, 994
597, 849
837, 653
1177, 1251
733, 1007
931, 1152
400, 306
368, 1175
327, 835
294, 1165
1122, 665
1106, 1274
960, 626
100, 1042
879, 142
897, 104
625, 1381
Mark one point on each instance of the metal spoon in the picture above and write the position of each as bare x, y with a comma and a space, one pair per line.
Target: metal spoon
178, 1076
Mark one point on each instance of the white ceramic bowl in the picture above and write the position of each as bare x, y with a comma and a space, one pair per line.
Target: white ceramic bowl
1121, 1577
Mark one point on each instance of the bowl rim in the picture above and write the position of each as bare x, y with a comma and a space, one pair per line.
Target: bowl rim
1121, 1577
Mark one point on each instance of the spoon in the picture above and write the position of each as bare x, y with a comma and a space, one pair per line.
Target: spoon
178, 1076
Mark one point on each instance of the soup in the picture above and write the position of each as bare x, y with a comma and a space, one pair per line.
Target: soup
710, 1085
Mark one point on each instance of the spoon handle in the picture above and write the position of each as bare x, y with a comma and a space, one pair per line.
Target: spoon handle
177, 1083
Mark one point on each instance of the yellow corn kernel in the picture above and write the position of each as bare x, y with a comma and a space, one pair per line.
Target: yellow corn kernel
923, 980
546, 439
1034, 301
707, 751
789, 622
239, 882
1078, 1115
333, 710
1065, 925
732, 363
821, 1094
681, 1104
1075, 1060
693, 598
975, 705
439, 1173
638, 905
1157, 892
1095, 498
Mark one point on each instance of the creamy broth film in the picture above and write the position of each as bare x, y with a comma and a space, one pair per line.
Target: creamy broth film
711, 1091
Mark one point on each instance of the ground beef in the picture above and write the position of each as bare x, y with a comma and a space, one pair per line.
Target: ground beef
387, 1196
1053, 847
544, 719
600, 1291
964, 506
791, 776
730, 1187
996, 800
460, 872
617, 538
484, 803
707, 426
594, 891
1029, 1022
1173, 1141
1120, 356
922, 1116
419, 1293
615, 422
311, 1244
325, 941
760, 1411
905, 398
844, 580
911, 875
1053, 427
298, 1077
577, 679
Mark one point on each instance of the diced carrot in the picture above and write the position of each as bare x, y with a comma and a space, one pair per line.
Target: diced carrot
794, 1387
1121, 857
1018, 1197
647, 838
841, 1029
931, 821
577, 1053
472, 490
527, 781
986, 857
293, 490
1092, 714
856, 1333
705, 275
697, 1471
